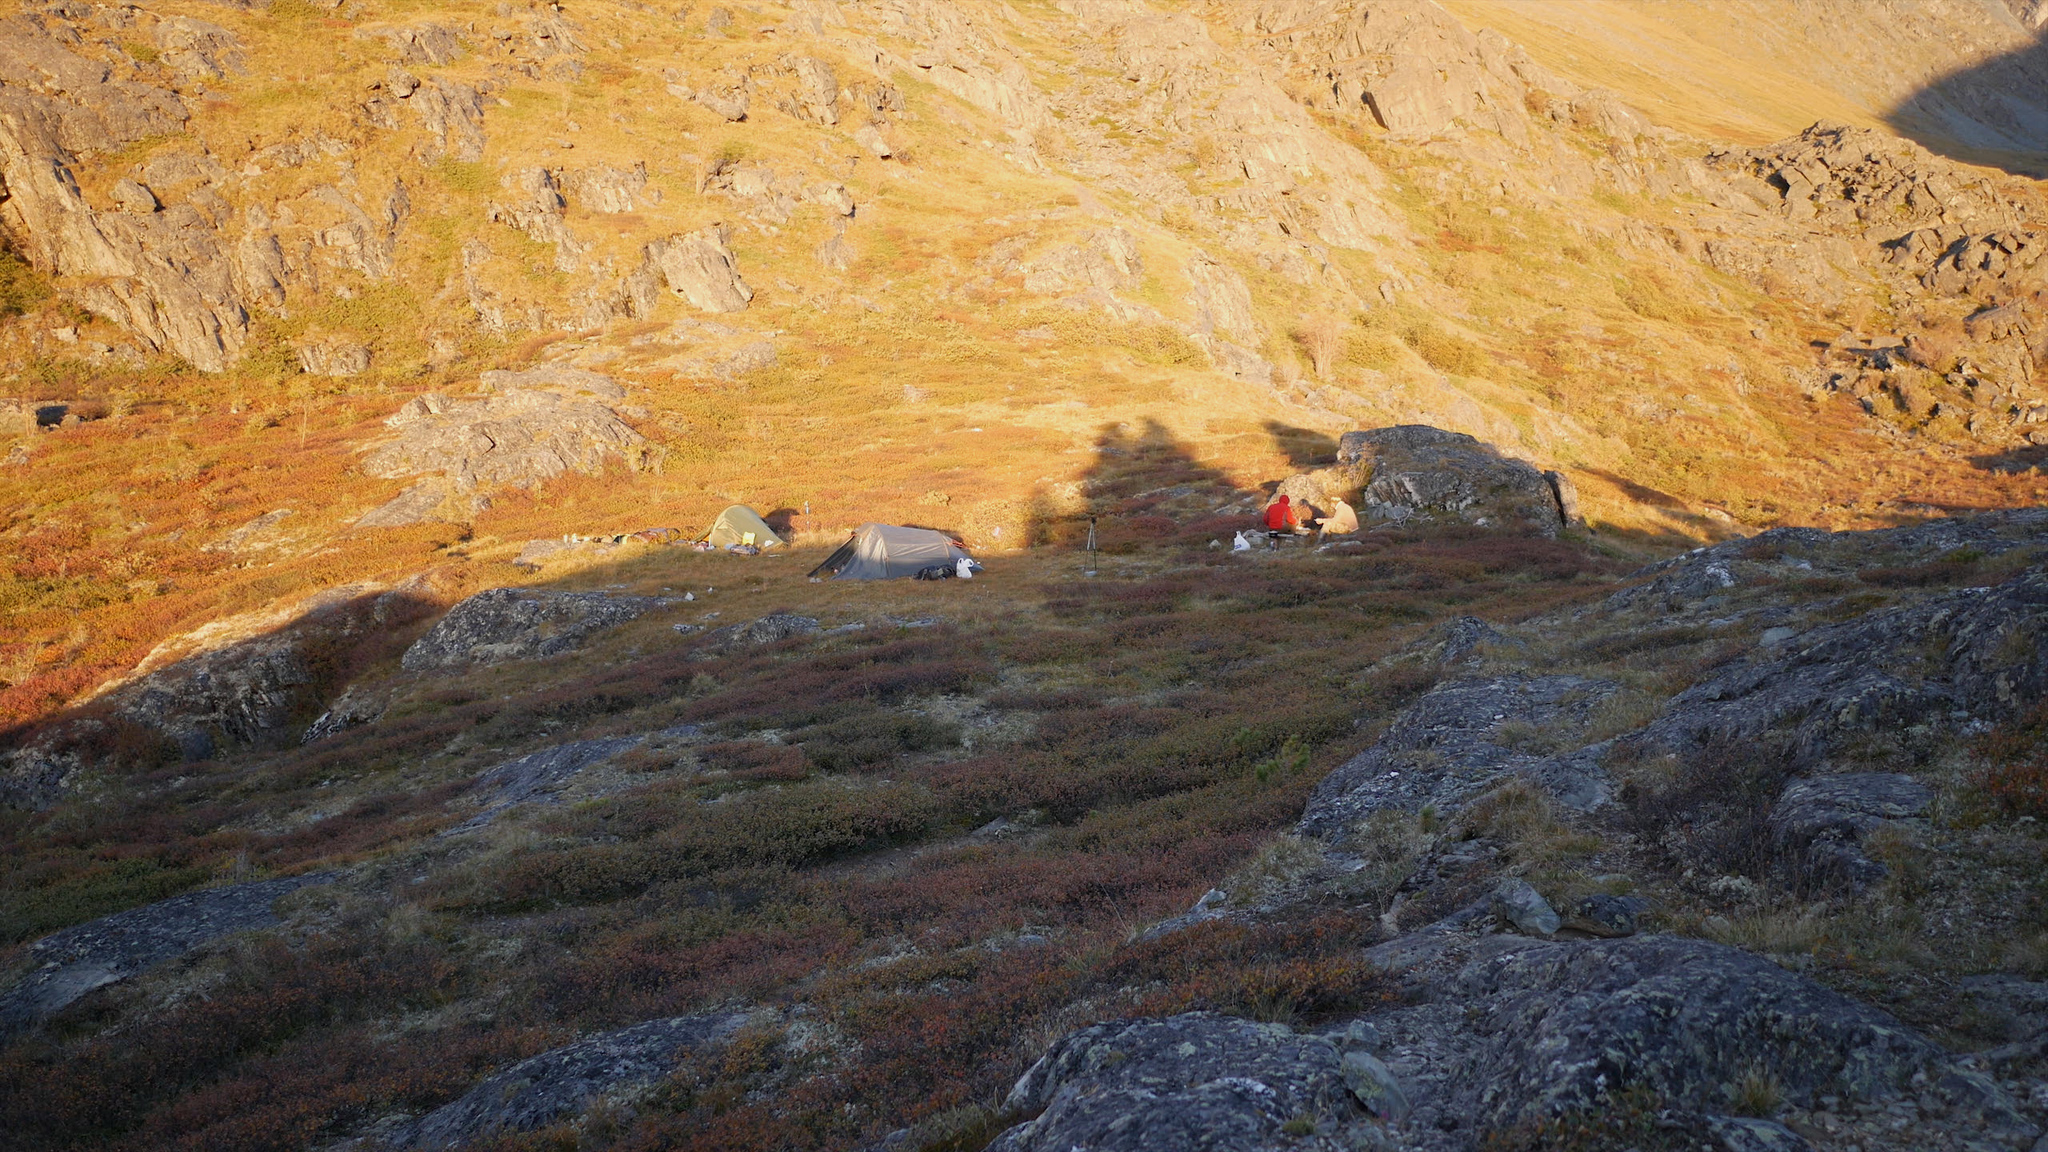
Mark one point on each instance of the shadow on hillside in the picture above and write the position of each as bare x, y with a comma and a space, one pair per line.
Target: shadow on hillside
1681, 527
1303, 447
2018, 459
1993, 113
257, 691
1142, 484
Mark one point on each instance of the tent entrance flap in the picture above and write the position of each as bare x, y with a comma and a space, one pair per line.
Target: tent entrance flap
889, 551
836, 561
735, 524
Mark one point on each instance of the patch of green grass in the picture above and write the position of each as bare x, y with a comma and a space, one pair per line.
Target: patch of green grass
97, 891
471, 178
21, 286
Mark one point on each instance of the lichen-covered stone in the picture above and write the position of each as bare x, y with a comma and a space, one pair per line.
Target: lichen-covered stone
1448, 747
521, 624
1195, 1081
1498, 1032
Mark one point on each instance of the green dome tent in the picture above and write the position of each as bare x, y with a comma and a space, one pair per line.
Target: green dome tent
735, 522
887, 551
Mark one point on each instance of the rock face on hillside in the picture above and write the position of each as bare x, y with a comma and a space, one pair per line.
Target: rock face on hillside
564, 1082
1980, 653
534, 426
1416, 473
249, 679
71, 963
701, 269
521, 624
165, 274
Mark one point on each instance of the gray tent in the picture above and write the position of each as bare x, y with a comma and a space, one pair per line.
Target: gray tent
886, 551
735, 522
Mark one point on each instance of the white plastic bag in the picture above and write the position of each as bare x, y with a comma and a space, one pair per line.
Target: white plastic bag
964, 568
1240, 544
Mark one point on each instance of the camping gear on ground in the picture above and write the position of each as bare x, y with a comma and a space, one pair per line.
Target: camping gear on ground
934, 572
743, 549
740, 524
889, 551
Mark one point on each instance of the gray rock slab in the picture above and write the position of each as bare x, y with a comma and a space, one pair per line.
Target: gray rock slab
73, 962
767, 630
1195, 1081
521, 624
1451, 744
1973, 653
536, 776
1825, 819
560, 1083
1498, 1031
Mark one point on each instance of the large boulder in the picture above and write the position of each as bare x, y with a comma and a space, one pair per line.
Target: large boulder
521, 624
73, 962
561, 1083
1412, 473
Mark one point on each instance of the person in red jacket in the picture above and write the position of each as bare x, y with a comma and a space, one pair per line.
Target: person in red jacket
1280, 516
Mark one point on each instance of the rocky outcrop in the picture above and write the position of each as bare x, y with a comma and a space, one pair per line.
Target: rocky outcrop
1975, 653
1451, 745
534, 425
1106, 258
768, 629
699, 266
334, 357
1512, 1031
564, 1082
1185, 1082
1502, 1032
1826, 818
1412, 67
521, 624
69, 964
535, 775
165, 276
449, 112
1417, 474
246, 680
603, 188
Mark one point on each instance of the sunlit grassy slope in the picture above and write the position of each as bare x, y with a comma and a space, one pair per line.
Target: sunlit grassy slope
923, 382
